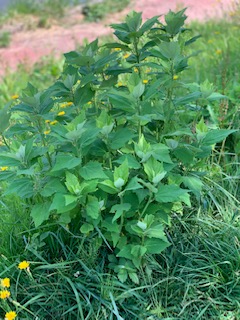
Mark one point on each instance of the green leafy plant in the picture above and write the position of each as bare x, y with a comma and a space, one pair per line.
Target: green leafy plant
116, 144
5, 39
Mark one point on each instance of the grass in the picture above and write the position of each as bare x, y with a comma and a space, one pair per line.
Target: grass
5, 39
196, 278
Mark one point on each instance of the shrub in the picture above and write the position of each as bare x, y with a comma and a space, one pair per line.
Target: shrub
116, 144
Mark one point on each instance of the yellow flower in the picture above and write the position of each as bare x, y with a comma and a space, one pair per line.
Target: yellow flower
4, 294
11, 315
47, 121
3, 168
66, 104
53, 122
145, 81
23, 265
120, 84
5, 283
61, 113
15, 96
175, 77
218, 51
117, 49
89, 102
135, 69
126, 55
79, 81
46, 131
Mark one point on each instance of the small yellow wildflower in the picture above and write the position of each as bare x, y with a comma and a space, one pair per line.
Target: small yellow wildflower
47, 121
23, 265
218, 51
11, 315
15, 96
79, 81
46, 131
5, 283
52, 123
145, 81
66, 104
117, 49
89, 102
4, 294
120, 84
126, 55
3, 168
175, 77
61, 113
135, 69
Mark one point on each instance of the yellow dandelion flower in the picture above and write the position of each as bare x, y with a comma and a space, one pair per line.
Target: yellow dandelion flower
15, 96
11, 315
46, 131
145, 81
23, 265
4, 294
3, 168
218, 51
5, 283
69, 103
61, 113
52, 123
126, 55
175, 77
47, 121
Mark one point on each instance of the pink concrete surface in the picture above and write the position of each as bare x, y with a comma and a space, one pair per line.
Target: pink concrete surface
30, 45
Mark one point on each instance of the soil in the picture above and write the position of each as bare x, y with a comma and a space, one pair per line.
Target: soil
29, 42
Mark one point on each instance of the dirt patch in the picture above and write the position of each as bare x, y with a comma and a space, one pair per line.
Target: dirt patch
29, 45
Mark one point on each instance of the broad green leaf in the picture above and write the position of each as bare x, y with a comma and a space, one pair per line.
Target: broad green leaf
72, 183
156, 232
138, 251
92, 207
120, 138
59, 204
121, 172
171, 193
70, 199
66, 161
86, 228
154, 170
133, 163
134, 20
53, 186
40, 213
125, 252
133, 185
119, 210
7, 159
155, 246
169, 50
108, 186
22, 187
134, 277
138, 90
216, 136
194, 184
92, 170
